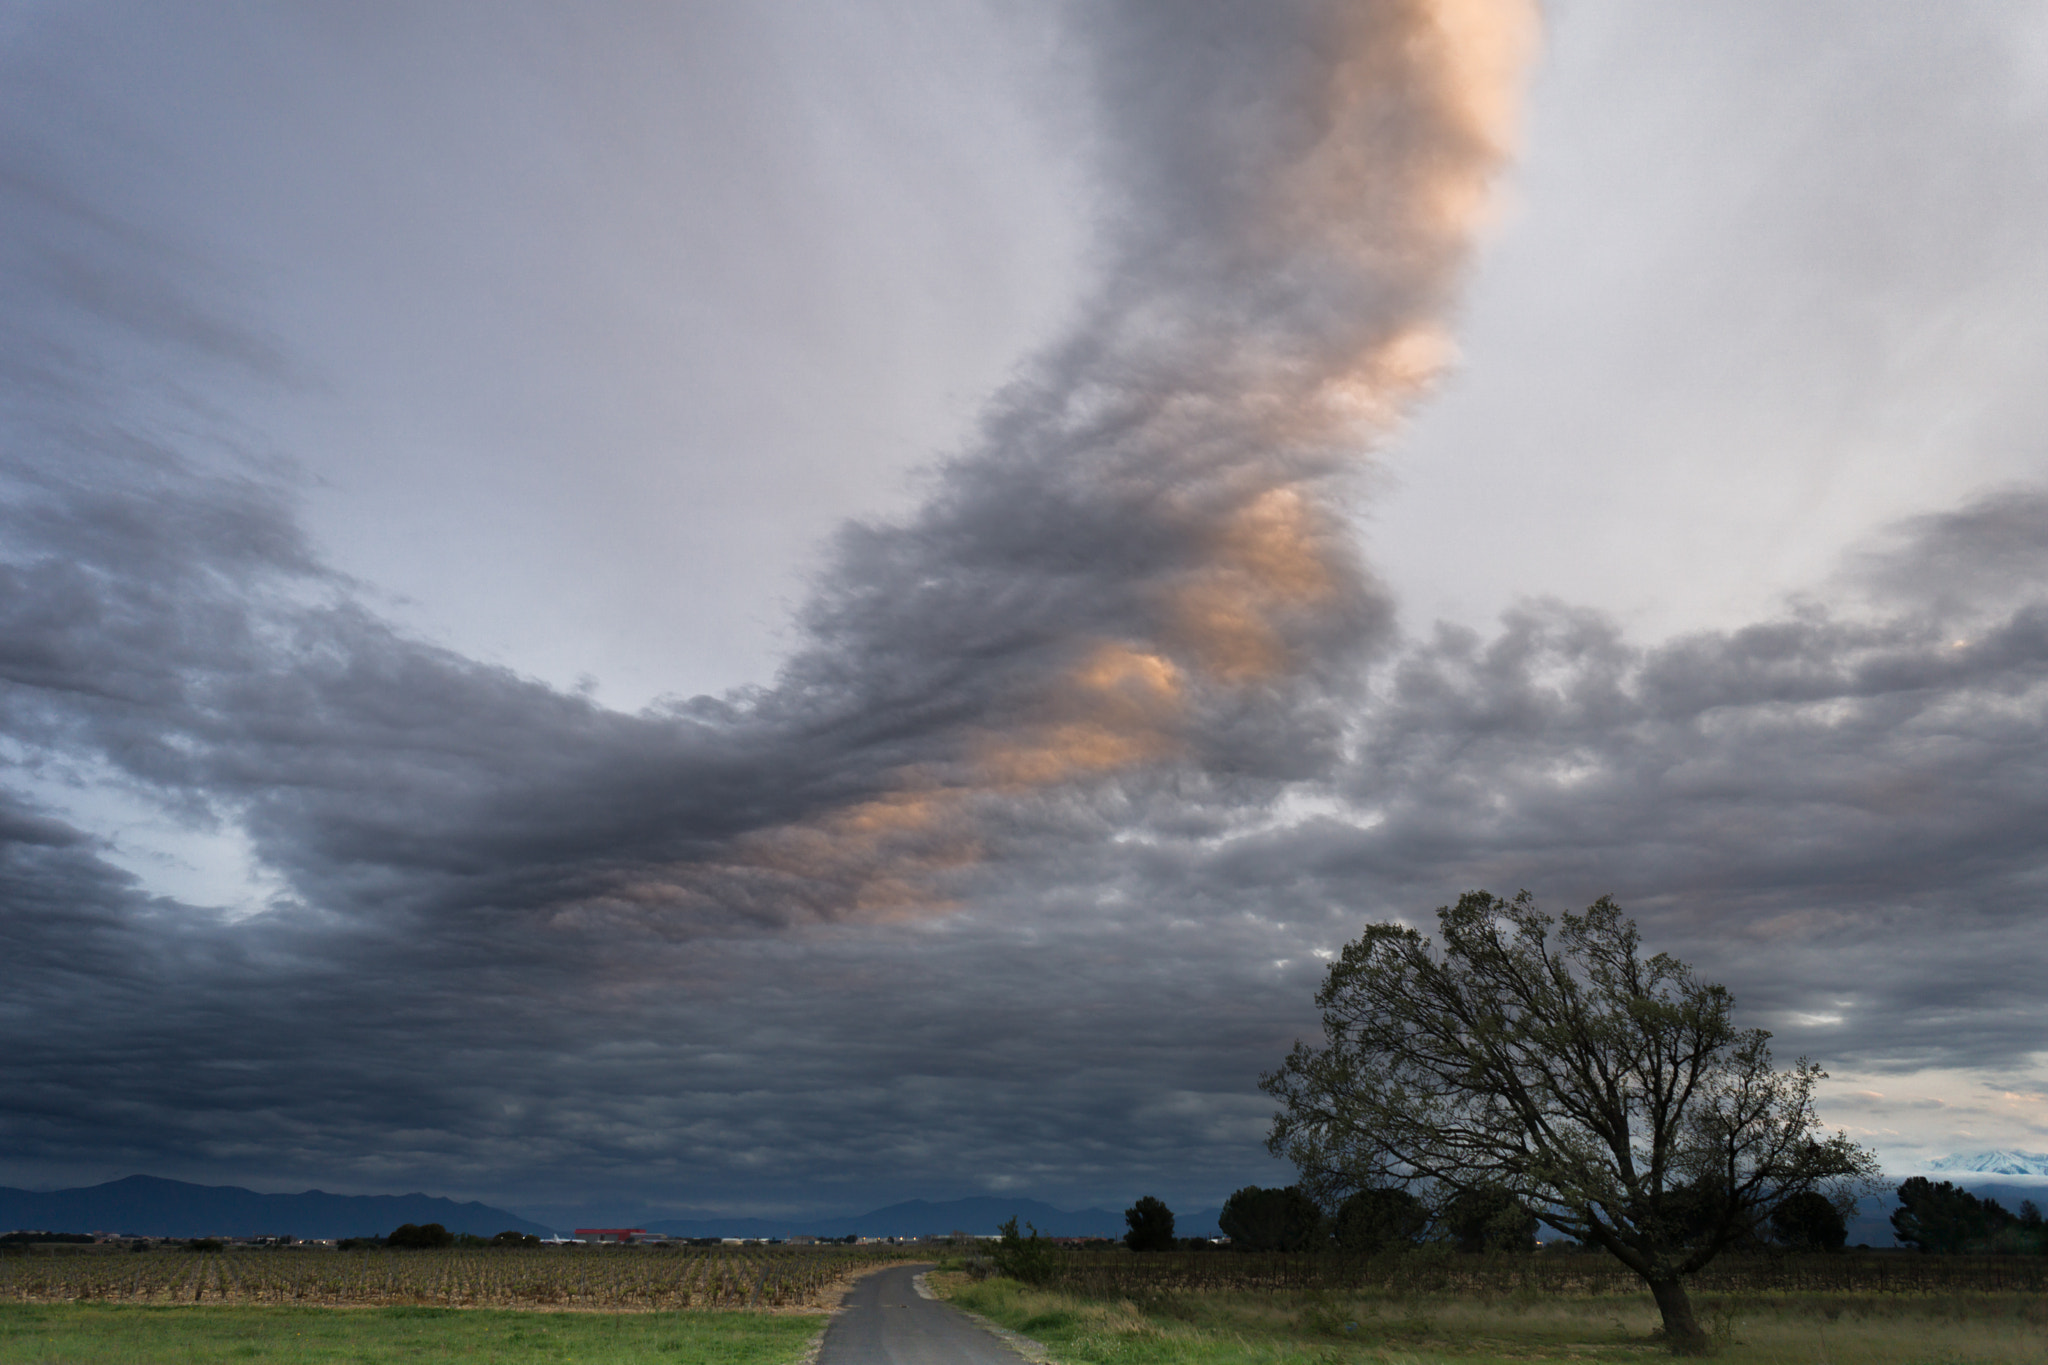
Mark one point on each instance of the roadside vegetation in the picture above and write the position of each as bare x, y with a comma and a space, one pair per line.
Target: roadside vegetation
1484, 1309
110, 1334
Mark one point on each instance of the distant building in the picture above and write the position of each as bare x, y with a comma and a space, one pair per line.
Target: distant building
610, 1236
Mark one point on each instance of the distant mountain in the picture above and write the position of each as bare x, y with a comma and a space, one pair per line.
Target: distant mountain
1992, 1163
145, 1206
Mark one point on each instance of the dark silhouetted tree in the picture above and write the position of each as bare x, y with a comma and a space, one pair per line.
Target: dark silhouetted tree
1809, 1221
1377, 1220
1947, 1218
1483, 1219
1600, 1089
420, 1237
1151, 1226
1256, 1219
510, 1238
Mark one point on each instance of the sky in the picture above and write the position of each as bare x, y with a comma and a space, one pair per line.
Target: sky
770, 609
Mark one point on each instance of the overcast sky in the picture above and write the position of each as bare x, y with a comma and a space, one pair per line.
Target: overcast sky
769, 608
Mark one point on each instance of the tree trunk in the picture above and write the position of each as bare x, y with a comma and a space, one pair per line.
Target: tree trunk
1681, 1333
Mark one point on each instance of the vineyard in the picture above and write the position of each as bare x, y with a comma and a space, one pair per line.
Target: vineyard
1115, 1275
613, 1279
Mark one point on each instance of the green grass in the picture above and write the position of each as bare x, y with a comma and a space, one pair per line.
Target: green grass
116, 1334
1215, 1327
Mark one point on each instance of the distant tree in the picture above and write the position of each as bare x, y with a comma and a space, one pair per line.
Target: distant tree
511, 1238
1151, 1225
1480, 1219
1383, 1219
205, 1244
1947, 1218
1601, 1090
1809, 1221
2033, 1229
1256, 1219
420, 1237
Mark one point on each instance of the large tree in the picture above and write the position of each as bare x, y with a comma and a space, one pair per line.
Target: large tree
1610, 1095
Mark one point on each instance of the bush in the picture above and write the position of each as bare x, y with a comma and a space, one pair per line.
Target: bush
1031, 1260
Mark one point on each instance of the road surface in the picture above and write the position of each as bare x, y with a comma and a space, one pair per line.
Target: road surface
887, 1322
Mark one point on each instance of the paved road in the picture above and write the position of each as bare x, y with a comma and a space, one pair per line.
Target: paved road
887, 1322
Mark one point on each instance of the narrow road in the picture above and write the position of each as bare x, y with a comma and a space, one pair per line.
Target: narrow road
887, 1322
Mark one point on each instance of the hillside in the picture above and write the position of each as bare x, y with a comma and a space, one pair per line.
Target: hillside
146, 1206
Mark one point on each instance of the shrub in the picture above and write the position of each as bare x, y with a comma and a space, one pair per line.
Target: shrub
1031, 1260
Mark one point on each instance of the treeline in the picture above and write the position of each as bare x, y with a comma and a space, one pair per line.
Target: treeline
1944, 1218
433, 1237
1377, 1222
1372, 1222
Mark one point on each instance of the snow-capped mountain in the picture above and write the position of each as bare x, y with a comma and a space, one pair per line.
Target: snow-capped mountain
1993, 1163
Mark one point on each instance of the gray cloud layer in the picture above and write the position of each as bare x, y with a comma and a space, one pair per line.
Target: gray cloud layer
1012, 879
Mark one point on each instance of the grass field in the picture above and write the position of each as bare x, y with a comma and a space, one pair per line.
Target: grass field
1211, 1327
121, 1334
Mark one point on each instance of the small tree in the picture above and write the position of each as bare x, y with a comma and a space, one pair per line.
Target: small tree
1151, 1225
1607, 1094
1373, 1221
1256, 1219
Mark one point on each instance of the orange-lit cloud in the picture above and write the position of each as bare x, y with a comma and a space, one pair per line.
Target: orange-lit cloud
1219, 413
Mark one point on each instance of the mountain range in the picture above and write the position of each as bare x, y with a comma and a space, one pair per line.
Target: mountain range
145, 1206
2001, 1162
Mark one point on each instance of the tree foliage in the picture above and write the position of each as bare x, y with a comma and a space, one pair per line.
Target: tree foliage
1151, 1225
1256, 1219
1609, 1094
1029, 1260
1946, 1218
1488, 1219
1809, 1221
1372, 1221
420, 1237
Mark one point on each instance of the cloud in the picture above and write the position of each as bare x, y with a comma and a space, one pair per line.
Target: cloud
1833, 805
1135, 591
1016, 875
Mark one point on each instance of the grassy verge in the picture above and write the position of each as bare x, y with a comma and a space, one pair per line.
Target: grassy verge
115, 1334
1213, 1327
